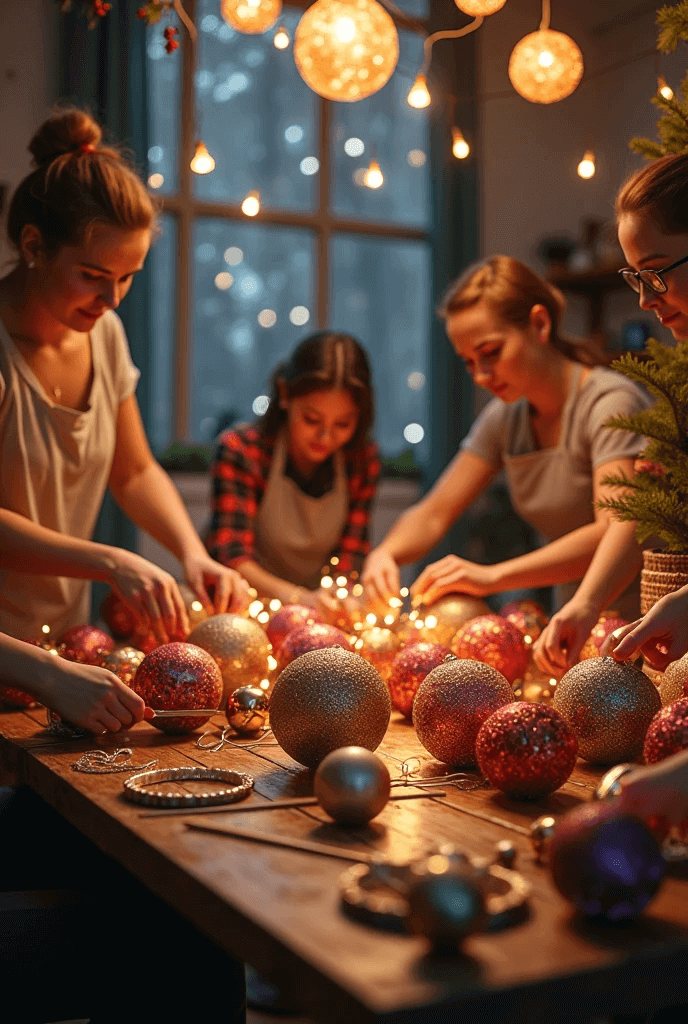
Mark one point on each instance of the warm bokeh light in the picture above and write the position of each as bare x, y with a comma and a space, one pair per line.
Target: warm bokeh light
545, 66
419, 96
479, 8
267, 318
202, 162
156, 180
664, 89
373, 176
299, 316
251, 204
223, 281
281, 38
346, 49
460, 147
251, 16
416, 158
586, 168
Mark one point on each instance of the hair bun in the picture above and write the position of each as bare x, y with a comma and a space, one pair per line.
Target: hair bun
63, 132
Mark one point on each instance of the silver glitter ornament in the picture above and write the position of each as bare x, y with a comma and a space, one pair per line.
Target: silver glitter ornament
247, 710
352, 785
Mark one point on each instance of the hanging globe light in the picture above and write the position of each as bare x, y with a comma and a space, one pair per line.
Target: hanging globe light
346, 49
545, 66
479, 8
251, 16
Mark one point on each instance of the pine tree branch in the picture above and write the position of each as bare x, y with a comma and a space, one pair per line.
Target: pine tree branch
673, 23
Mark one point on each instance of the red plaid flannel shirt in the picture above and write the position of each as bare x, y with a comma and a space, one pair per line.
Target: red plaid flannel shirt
240, 474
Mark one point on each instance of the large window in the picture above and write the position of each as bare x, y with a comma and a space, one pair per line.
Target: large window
234, 294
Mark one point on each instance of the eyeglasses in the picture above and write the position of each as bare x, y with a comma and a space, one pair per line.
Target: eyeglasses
652, 279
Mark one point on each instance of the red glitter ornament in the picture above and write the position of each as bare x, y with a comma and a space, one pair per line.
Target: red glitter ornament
496, 642
117, 616
176, 677
667, 732
287, 618
592, 647
14, 698
409, 669
452, 703
527, 750
86, 644
529, 617
143, 639
310, 637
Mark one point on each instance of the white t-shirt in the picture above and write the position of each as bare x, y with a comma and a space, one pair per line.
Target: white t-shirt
54, 467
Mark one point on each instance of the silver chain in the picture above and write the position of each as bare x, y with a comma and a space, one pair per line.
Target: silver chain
99, 762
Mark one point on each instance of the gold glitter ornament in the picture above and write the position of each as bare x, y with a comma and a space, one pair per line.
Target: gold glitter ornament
673, 684
251, 16
609, 705
346, 49
123, 661
326, 699
545, 66
378, 646
444, 617
247, 710
352, 785
240, 648
451, 704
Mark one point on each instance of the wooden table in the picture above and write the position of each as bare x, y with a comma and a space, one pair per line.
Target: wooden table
278, 909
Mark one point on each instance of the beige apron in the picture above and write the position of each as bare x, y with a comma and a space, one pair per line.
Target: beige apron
552, 490
296, 534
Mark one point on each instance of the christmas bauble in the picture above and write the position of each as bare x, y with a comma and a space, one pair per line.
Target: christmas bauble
445, 907
526, 750
673, 684
177, 677
494, 641
536, 685
117, 616
609, 705
448, 614
598, 634
606, 864
86, 644
238, 645
143, 639
529, 617
194, 608
124, 662
379, 646
409, 669
667, 732
287, 618
14, 698
326, 699
315, 636
452, 703
247, 709
352, 785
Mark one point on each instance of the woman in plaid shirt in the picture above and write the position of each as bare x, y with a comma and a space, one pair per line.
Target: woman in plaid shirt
295, 488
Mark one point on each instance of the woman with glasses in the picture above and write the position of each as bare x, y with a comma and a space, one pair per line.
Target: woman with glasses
545, 427
652, 220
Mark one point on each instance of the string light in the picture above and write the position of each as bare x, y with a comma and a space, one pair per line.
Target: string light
663, 88
479, 7
586, 168
460, 147
281, 38
419, 97
373, 177
545, 66
346, 49
251, 204
251, 16
202, 162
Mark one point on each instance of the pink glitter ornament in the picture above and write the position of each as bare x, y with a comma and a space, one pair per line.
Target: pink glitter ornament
529, 617
409, 668
177, 677
592, 648
287, 618
496, 642
311, 637
667, 733
452, 703
86, 644
527, 750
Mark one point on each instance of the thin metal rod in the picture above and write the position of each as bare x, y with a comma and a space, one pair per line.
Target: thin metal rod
274, 805
292, 844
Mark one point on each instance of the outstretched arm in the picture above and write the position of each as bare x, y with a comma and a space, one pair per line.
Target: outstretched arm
661, 636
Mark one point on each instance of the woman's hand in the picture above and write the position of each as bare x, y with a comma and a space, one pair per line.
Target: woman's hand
560, 643
661, 636
454, 575
658, 793
91, 697
151, 593
380, 576
230, 590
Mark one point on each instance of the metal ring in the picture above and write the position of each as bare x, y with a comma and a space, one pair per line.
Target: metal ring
240, 785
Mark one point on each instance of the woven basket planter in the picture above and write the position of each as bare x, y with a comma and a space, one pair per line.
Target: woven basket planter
662, 573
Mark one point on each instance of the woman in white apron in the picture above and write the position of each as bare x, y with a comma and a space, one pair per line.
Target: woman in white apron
545, 427
294, 490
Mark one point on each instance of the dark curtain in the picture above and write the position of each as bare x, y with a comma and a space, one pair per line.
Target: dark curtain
104, 70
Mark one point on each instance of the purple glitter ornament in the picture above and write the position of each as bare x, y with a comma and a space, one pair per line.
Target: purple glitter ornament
607, 864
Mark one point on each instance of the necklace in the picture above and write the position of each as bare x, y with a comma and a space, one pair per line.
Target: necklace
57, 391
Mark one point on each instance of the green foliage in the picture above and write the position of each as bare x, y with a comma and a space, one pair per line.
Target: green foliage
673, 26
672, 127
656, 498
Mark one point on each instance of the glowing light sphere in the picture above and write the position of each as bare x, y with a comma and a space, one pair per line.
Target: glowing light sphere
251, 16
346, 49
202, 162
545, 66
479, 8
586, 168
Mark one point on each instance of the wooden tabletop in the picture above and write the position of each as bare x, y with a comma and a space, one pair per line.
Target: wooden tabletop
279, 909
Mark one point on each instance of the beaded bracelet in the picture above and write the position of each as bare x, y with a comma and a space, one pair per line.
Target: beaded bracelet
240, 785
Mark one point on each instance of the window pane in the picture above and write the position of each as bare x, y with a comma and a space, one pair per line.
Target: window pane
379, 293
416, 8
385, 127
164, 92
257, 116
164, 287
253, 301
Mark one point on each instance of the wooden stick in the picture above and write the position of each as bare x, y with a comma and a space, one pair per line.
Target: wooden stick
293, 844
272, 805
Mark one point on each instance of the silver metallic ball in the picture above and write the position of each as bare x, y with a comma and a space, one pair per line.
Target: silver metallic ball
352, 785
445, 907
506, 853
247, 709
